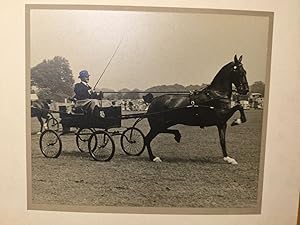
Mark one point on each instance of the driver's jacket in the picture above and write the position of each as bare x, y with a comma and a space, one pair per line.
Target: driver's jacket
82, 91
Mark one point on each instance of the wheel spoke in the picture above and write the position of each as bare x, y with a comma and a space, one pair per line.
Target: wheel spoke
50, 144
52, 124
132, 141
101, 146
82, 139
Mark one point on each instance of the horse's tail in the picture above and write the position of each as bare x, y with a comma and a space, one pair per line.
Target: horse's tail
148, 98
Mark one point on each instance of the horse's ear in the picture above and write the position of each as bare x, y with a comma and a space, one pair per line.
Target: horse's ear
240, 59
235, 59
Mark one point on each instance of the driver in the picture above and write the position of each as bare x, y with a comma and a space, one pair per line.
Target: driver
83, 90
84, 95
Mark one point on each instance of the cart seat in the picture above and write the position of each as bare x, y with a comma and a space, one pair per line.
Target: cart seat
77, 113
78, 110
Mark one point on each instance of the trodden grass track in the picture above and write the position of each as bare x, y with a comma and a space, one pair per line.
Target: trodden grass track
192, 174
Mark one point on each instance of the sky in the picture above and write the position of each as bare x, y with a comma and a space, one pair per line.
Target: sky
156, 48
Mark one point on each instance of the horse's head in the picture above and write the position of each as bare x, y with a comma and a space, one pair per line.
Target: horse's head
239, 78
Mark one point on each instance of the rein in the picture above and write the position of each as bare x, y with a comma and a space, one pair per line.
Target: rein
145, 115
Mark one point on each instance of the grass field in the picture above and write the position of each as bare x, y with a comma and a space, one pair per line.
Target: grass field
192, 174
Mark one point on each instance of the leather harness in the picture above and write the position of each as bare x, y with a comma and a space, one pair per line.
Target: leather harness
207, 96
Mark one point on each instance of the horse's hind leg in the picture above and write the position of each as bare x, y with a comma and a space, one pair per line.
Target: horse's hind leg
46, 117
149, 137
222, 135
41, 123
175, 132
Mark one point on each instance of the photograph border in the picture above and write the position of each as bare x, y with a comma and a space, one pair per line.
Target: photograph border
146, 210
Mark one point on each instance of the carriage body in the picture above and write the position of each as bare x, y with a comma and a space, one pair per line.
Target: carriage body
103, 118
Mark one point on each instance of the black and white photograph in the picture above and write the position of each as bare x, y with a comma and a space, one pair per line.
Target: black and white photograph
146, 110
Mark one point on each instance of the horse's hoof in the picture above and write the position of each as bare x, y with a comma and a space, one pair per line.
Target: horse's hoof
234, 162
177, 138
157, 159
236, 122
230, 160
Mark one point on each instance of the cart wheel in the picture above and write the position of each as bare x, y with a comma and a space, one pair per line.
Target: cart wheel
101, 146
82, 139
53, 124
50, 144
133, 141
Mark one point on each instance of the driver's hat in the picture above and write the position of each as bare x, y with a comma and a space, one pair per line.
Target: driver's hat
83, 73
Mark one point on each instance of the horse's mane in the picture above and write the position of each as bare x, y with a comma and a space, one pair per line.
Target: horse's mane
223, 70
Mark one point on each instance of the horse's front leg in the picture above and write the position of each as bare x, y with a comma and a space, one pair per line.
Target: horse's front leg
242, 118
222, 135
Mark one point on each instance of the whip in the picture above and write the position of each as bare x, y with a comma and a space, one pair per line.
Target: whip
108, 63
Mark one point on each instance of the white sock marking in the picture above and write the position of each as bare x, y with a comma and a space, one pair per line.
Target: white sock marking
157, 159
230, 160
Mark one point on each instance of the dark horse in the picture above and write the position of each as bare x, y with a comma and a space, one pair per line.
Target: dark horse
208, 107
40, 110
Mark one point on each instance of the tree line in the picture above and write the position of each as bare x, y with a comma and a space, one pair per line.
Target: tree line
54, 80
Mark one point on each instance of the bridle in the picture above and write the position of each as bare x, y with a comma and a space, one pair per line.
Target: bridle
241, 83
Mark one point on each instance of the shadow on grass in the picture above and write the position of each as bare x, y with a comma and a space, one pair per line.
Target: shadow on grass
76, 153
171, 160
196, 160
